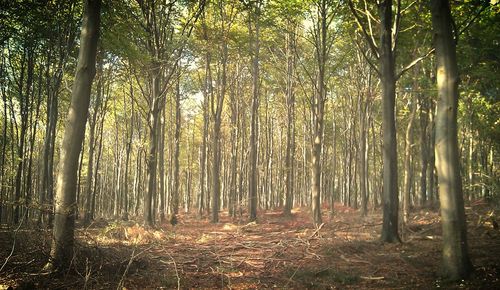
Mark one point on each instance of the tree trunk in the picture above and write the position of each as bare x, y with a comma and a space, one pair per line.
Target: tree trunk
362, 107
318, 112
424, 148
4, 140
290, 129
62, 245
456, 262
128, 149
177, 136
152, 150
92, 144
390, 197
161, 160
24, 108
254, 130
408, 172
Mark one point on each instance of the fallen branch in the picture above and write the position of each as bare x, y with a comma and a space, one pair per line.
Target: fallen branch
176, 271
316, 231
372, 278
353, 260
132, 258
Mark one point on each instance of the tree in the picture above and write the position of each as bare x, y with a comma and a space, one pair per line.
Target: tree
254, 129
92, 145
385, 52
456, 262
318, 104
65, 199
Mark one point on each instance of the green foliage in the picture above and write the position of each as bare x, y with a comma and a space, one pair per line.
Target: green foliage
479, 65
122, 34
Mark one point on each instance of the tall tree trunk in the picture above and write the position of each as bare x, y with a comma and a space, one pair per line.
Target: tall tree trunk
96, 170
128, 150
216, 108
24, 97
4, 138
152, 150
318, 108
424, 148
207, 93
161, 160
177, 135
456, 262
432, 158
92, 144
254, 129
46, 195
33, 128
65, 202
408, 172
363, 106
390, 197
235, 134
290, 130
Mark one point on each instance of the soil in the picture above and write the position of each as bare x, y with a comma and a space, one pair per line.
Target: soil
285, 252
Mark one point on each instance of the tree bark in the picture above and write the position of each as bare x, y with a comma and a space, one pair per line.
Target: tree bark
456, 261
65, 201
290, 129
177, 136
390, 197
318, 108
408, 172
254, 130
92, 144
424, 148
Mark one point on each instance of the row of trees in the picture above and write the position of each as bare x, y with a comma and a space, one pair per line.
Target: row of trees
211, 105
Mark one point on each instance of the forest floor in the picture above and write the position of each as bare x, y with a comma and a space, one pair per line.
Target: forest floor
276, 252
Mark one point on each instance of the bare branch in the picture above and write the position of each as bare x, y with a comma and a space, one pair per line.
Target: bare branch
413, 63
368, 37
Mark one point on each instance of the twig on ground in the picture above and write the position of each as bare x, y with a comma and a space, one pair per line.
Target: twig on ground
132, 258
176, 271
120, 284
372, 278
293, 275
14, 242
317, 230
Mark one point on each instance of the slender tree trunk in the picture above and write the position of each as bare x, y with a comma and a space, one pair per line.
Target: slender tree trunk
290, 130
33, 128
216, 108
161, 160
92, 143
408, 172
362, 105
254, 129
390, 197
318, 113
62, 245
177, 135
128, 150
152, 156
4, 140
432, 158
46, 195
456, 261
24, 105
424, 148
235, 135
